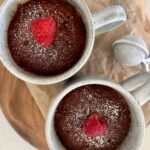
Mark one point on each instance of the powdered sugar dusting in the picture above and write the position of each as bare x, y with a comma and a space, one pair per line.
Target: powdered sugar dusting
85, 102
67, 46
31, 12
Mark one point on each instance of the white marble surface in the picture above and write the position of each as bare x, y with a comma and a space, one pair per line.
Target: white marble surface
10, 140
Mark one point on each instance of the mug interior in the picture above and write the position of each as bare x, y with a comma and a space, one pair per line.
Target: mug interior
135, 136
8, 10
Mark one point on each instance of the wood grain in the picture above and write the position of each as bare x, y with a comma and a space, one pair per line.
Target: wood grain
27, 115
21, 110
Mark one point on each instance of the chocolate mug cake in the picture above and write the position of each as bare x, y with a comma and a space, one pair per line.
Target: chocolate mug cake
46, 37
92, 117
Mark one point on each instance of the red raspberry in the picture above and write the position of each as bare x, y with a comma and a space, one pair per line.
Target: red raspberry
94, 125
43, 30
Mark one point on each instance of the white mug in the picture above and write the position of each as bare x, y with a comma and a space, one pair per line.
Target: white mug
96, 23
135, 90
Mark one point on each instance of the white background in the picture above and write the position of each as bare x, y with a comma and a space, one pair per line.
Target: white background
10, 140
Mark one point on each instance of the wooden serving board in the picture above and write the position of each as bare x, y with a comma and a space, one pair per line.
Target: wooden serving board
27, 113
23, 113
21, 110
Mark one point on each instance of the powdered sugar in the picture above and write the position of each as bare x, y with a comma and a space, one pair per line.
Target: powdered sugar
25, 36
87, 101
68, 42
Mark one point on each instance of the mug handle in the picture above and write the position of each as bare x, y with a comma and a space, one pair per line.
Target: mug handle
109, 18
139, 87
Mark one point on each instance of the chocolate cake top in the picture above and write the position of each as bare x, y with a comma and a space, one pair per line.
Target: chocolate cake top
68, 41
79, 106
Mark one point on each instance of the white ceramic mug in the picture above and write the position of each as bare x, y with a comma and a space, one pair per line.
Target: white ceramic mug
136, 91
96, 23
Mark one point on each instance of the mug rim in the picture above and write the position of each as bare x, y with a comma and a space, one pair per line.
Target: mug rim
19, 72
89, 81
